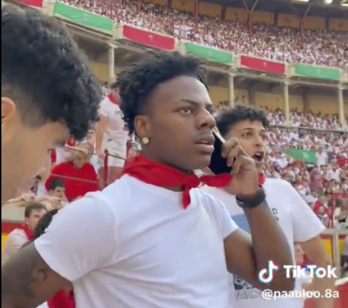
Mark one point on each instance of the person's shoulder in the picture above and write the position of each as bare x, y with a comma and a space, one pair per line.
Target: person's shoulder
219, 194
281, 187
118, 190
62, 165
17, 233
277, 183
88, 166
104, 104
207, 199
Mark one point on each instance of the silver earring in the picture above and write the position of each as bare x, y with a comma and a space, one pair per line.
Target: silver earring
145, 140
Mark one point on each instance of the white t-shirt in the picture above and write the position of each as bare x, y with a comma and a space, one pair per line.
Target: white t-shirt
135, 246
62, 155
297, 221
113, 113
14, 242
321, 159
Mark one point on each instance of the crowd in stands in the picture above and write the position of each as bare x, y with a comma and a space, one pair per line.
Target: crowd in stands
267, 41
323, 183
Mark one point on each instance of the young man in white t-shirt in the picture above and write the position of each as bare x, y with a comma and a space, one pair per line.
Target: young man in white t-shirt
294, 216
111, 135
19, 236
147, 240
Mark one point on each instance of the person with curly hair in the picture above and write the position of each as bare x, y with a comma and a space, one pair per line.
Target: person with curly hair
152, 238
48, 94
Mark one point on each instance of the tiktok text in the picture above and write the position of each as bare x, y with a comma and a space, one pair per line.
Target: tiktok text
294, 271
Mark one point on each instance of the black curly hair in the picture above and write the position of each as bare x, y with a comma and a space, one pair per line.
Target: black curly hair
137, 83
43, 223
44, 72
228, 117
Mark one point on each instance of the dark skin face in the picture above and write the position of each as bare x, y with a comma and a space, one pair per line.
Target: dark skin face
176, 114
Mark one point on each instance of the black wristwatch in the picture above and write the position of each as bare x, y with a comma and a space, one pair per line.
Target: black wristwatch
254, 202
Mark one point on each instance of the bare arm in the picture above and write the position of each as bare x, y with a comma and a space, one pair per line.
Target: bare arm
315, 251
27, 281
246, 255
100, 128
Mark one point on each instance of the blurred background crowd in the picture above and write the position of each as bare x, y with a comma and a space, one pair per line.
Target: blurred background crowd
262, 39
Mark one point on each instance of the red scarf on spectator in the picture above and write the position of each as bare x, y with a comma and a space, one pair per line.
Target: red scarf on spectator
28, 233
62, 299
157, 174
113, 99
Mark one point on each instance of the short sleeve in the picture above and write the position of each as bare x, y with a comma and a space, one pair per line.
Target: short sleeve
103, 108
306, 225
80, 238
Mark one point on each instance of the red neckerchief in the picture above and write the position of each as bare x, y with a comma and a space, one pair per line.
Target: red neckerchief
28, 233
262, 179
71, 142
157, 174
113, 99
62, 299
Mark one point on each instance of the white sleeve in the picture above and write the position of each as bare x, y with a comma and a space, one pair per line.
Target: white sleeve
80, 238
103, 107
14, 242
306, 225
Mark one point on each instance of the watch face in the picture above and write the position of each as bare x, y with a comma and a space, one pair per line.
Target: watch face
218, 164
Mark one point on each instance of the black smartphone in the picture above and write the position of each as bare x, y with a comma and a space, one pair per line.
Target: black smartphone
218, 164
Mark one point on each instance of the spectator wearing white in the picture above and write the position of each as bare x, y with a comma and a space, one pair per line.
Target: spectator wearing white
19, 236
333, 173
111, 135
294, 216
321, 158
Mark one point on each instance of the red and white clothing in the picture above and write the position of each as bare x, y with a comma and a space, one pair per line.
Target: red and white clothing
73, 187
15, 240
115, 137
174, 258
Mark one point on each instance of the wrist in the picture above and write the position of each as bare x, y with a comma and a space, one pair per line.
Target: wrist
250, 196
252, 201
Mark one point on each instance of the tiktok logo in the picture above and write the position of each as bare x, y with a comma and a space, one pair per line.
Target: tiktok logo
266, 275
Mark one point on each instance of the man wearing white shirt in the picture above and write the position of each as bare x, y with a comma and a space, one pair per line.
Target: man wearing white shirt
145, 241
294, 216
321, 158
111, 136
19, 236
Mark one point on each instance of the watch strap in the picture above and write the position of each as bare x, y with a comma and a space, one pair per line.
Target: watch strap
254, 202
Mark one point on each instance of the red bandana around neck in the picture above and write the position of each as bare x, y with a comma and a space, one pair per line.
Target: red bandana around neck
157, 174
113, 99
262, 179
28, 233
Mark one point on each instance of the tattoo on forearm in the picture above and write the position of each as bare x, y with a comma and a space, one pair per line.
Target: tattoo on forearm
23, 274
